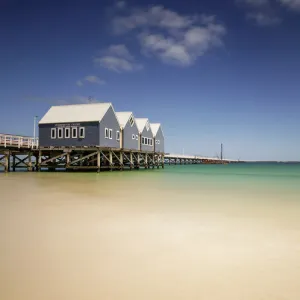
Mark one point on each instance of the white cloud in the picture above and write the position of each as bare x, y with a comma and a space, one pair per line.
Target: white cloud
120, 51
90, 79
263, 19
118, 59
167, 49
185, 49
291, 4
94, 79
171, 37
156, 16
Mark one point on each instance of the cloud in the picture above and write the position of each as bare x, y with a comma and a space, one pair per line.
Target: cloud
120, 51
79, 83
120, 4
171, 37
94, 79
167, 49
118, 59
76, 99
262, 12
264, 19
90, 79
183, 50
156, 16
291, 4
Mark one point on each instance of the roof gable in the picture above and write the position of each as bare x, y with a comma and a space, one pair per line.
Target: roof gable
123, 117
76, 113
142, 123
155, 127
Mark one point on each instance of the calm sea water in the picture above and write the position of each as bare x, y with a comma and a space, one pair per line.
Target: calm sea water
185, 232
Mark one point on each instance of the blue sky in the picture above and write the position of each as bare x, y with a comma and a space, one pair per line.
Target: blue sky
210, 71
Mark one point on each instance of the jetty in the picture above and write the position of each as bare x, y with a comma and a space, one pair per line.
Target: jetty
24, 152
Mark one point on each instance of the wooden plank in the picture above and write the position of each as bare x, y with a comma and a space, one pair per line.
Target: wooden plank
105, 156
116, 157
82, 158
52, 159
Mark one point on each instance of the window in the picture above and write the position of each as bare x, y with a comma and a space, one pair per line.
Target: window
137, 137
106, 133
60, 133
53, 133
82, 132
150, 142
118, 135
146, 141
158, 142
67, 133
74, 132
133, 137
131, 121
110, 134
143, 140
147, 126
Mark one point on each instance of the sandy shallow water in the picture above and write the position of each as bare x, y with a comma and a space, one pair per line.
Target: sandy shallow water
137, 236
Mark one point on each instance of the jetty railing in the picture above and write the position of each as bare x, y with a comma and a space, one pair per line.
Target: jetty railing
8, 140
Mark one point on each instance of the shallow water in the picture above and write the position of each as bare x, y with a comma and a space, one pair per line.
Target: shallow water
186, 232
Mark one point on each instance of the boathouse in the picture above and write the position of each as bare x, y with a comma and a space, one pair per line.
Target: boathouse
129, 134
88, 125
145, 133
158, 137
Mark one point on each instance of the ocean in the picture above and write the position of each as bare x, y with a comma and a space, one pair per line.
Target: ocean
186, 232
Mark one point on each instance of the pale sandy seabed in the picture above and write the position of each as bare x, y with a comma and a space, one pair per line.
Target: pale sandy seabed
69, 236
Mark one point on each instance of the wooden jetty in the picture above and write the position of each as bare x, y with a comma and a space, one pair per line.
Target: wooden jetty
177, 159
22, 152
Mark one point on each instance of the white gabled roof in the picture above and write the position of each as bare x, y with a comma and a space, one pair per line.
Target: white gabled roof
141, 123
123, 117
154, 128
75, 113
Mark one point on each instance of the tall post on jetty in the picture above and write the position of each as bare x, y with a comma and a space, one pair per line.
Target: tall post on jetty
221, 152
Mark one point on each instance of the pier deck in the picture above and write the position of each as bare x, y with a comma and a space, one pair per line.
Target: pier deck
24, 152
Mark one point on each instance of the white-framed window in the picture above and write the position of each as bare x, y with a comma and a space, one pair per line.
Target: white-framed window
106, 133
118, 135
81, 132
74, 132
146, 141
67, 133
53, 133
133, 137
143, 140
60, 133
150, 142
110, 134
137, 137
158, 142
131, 121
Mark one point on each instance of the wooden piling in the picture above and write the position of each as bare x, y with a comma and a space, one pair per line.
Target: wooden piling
98, 161
14, 162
